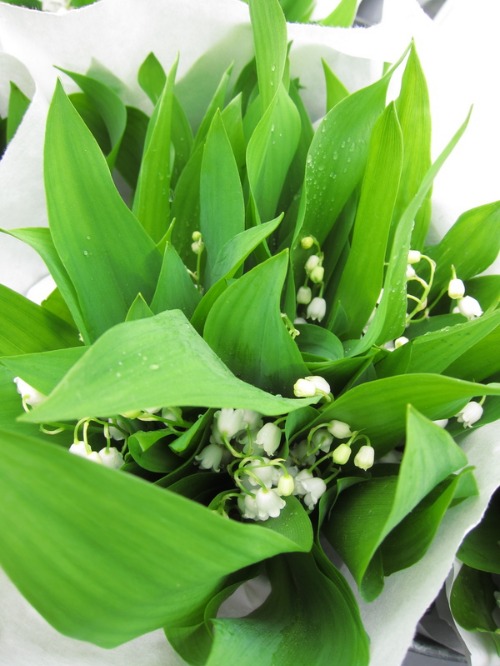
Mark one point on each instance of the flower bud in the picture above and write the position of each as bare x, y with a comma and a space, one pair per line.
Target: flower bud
322, 386
210, 457
471, 413
414, 257
365, 457
304, 295
399, 342
317, 274
339, 429
410, 272
311, 263
316, 309
111, 457
303, 388
341, 454
29, 394
286, 485
229, 422
307, 242
456, 289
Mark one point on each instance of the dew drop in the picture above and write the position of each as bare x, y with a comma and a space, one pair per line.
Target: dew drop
154, 366
118, 375
335, 155
86, 253
273, 68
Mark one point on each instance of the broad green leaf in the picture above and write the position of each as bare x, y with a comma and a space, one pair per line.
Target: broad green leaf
139, 309
390, 317
486, 289
92, 118
160, 360
381, 504
150, 450
18, 105
270, 152
246, 311
270, 42
217, 103
110, 108
481, 361
343, 15
87, 218
471, 245
297, 11
40, 239
132, 583
233, 124
481, 547
182, 141
175, 288
363, 273
152, 196
378, 408
27, 327
308, 617
319, 342
435, 351
414, 115
186, 208
233, 253
43, 370
335, 89
222, 208
473, 603
152, 77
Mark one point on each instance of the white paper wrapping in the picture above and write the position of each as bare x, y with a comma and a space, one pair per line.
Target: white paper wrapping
460, 54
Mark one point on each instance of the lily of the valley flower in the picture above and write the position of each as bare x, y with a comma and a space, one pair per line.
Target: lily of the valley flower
29, 394
307, 387
304, 295
339, 429
313, 262
266, 504
471, 413
83, 450
469, 307
316, 309
399, 342
456, 289
111, 457
286, 485
341, 454
266, 474
322, 440
307, 242
365, 457
210, 457
228, 423
414, 257
269, 438
317, 274
310, 487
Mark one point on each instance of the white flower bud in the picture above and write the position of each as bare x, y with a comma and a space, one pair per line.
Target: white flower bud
196, 236
229, 422
317, 274
269, 438
471, 413
29, 394
311, 263
304, 295
197, 247
365, 457
399, 342
322, 386
210, 457
303, 388
414, 257
341, 454
456, 288
469, 307
410, 272
316, 309
286, 485
299, 320
339, 429
111, 457
84, 451
307, 242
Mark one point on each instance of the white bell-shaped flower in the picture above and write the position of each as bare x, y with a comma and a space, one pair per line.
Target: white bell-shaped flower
210, 457
313, 262
470, 414
322, 440
316, 310
269, 503
265, 473
302, 477
365, 457
228, 422
322, 386
269, 438
83, 450
456, 288
339, 429
251, 419
111, 457
469, 307
315, 488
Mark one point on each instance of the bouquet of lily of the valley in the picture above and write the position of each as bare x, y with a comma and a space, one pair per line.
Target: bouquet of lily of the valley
252, 364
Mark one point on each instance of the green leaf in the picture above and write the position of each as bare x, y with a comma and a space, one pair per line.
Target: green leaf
40, 239
335, 89
363, 273
216, 104
222, 208
297, 11
471, 245
152, 77
270, 42
150, 450
128, 160
480, 361
160, 360
245, 312
87, 227
481, 547
270, 152
152, 196
27, 327
139, 309
415, 118
365, 514
319, 342
132, 583
18, 105
343, 15
378, 408
473, 603
108, 105
186, 208
308, 617
175, 289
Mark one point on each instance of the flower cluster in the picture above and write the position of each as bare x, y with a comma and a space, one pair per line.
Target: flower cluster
315, 305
